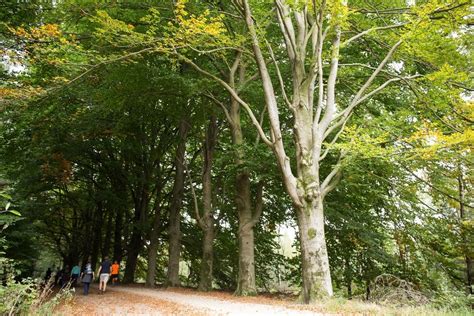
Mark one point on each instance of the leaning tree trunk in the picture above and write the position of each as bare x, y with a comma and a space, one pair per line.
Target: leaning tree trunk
174, 249
206, 221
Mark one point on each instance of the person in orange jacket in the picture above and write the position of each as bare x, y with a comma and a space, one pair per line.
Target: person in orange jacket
115, 272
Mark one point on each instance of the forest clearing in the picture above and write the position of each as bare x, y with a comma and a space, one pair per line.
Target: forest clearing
236, 157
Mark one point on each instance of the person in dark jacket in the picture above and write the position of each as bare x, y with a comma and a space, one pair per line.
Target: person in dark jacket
104, 274
87, 276
48, 275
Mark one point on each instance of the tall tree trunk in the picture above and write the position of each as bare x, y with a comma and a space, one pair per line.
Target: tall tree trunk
97, 234
207, 261
247, 218
246, 282
132, 256
136, 241
206, 221
117, 255
154, 242
87, 233
121, 207
174, 249
108, 235
315, 263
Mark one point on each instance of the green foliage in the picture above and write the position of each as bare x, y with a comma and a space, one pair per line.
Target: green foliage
88, 131
28, 297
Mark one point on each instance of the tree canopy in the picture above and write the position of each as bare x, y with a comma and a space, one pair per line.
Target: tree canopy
188, 132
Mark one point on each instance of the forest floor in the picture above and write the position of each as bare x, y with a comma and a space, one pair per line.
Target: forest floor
138, 300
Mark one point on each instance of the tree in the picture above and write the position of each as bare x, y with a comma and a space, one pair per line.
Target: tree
310, 30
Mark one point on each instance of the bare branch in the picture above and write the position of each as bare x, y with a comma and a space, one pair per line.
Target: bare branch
270, 99
258, 207
353, 38
287, 29
348, 111
262, 116
218, 49
377, 71
258, 204
333, 177
196, 204
331, 86
280, 78
333, 141
219, 103
381, 87
234, 95
233, 69
109, 61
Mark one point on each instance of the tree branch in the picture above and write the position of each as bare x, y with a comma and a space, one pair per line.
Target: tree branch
195, 200
219, 103
333, 177
234, 95
280, 78
353, 38
258, 205
287, 29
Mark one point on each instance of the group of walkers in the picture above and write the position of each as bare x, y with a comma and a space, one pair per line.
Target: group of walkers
63, 277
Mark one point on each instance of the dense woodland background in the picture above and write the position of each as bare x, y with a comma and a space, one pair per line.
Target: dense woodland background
146, 131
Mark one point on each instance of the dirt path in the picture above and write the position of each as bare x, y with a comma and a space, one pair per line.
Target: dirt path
122, 300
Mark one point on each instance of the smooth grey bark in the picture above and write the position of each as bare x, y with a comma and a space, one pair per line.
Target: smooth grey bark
246, 282
174, 229
248, 214
315, 263
206, 219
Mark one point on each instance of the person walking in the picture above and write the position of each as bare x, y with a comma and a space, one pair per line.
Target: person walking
65, 277
76, 270
104, 274
49, 272
115, 272
86, 277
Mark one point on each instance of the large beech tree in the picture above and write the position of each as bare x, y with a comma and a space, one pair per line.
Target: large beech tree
316, 35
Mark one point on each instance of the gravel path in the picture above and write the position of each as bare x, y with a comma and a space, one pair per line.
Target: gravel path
127, 301
214, 306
